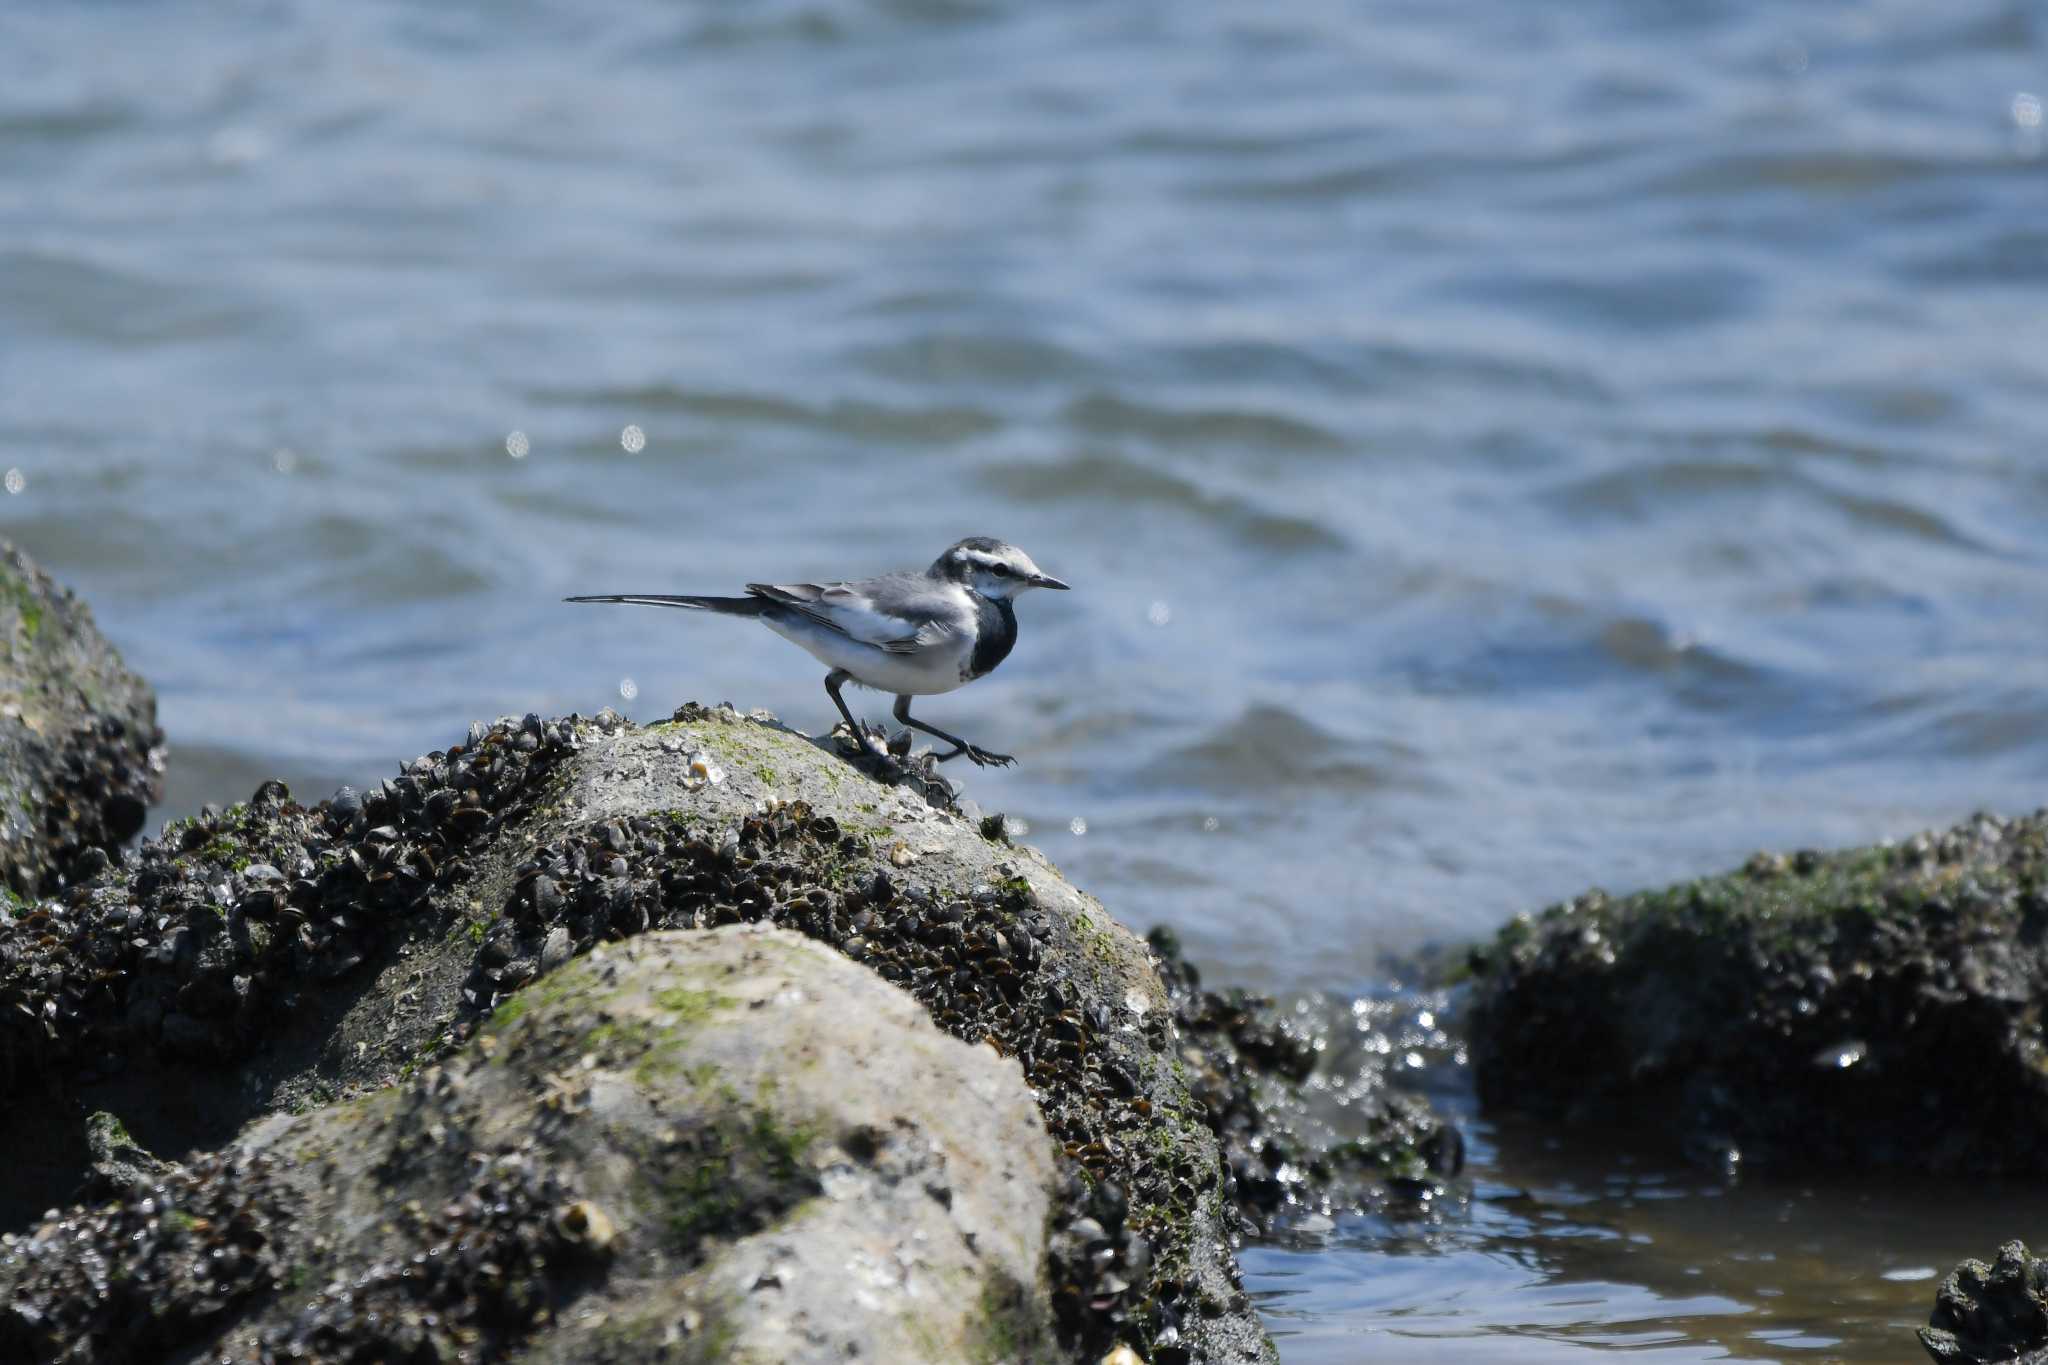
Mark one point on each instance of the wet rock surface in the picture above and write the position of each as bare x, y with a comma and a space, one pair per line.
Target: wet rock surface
274, 958
1987, 1313
1878, 1007
700, 1145
199, 982
81, 756
1309, 1121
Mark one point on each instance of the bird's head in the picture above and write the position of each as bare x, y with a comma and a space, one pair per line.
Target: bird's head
992, 568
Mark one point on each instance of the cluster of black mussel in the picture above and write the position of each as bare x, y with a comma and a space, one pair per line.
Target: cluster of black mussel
209, 933
482, 1270
98, 790
156, 1269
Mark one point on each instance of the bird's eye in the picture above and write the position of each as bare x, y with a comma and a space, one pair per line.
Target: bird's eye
999, 570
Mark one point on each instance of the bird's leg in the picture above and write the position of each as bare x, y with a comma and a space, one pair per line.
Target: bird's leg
834, 680
960, 746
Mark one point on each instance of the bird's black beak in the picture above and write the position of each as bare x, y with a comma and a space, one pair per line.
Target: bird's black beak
1046, 580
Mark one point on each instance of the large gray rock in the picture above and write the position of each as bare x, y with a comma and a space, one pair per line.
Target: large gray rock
81, 757
276, 958
729, 1145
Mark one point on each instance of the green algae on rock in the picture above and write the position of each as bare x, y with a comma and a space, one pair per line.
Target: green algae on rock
81, 757
1879, 1007
796, 1165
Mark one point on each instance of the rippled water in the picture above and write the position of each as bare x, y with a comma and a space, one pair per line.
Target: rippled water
1500, 449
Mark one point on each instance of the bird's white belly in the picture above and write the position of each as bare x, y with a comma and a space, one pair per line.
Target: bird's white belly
934, 669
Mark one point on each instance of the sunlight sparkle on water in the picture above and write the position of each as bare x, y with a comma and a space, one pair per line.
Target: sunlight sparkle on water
1159, 613
633, 440
15, 481
628, 688
516, 445
1077, 826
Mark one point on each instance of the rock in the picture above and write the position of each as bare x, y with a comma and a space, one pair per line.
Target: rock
271, 959
1872, 1008
1308, 1120
1997, 1313
732, 1144
120, 1167
191, 992
81, 757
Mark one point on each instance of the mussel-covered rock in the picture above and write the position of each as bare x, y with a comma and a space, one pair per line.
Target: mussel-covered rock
1878, 1007
685, 1147
273, 958
1987, 1313
1310, 1120
81, 757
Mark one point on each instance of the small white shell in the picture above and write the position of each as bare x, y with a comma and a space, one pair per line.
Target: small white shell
702, 770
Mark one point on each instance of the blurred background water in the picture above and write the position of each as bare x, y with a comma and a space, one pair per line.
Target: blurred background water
1499, 449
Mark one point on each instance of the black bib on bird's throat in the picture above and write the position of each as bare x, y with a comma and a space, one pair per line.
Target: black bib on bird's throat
995, 631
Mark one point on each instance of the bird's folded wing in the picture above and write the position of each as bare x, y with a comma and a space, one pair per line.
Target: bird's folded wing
845, 608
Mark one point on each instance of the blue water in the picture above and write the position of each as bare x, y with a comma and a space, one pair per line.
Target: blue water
1499, 449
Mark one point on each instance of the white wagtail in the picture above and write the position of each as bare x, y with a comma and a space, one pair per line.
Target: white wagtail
914, 634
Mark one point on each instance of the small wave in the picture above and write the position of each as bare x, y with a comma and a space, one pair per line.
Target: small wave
78, 299
1674, 489
973, 358
25, 127
942, 425
1335, 183
2000, 261
1645, 645
1811, 171
1109, 414
1270, 746
1350, 368
1119, 480
1645, 301
1640, 492
1229, 141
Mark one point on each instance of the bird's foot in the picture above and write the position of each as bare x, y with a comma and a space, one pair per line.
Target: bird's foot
983, 758
869, 739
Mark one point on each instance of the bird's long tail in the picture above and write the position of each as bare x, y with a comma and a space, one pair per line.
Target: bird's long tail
725, 606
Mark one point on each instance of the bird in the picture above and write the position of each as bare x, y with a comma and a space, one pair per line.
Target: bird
916, 633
